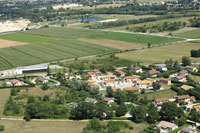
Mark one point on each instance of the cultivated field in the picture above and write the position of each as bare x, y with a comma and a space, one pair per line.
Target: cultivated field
4, 95
160, 54
113, 43
136, 38
54, 44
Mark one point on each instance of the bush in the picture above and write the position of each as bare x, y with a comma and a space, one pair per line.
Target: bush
27, 118
131, 128
1, 127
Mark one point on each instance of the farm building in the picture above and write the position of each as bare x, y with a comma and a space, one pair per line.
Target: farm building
32, 69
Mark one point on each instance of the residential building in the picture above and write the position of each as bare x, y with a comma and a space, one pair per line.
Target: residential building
109, 100
160, 101
119, 73
137, 89
16, 82
153, 73
143, 84
164, 125
181, 78
136, 69
131, 79
106, 77
197, 107
192, 68
115, 89
42, 79
188, 130
186, 87
110, 82
185, 98
183, 72
164, 81
162, 68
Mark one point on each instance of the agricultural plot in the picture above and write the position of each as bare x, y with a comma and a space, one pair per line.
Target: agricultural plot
160, 54
195, 34
54, 44
137, 38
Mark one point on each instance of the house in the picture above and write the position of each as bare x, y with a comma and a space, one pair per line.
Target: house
183, 72
106, 77
110, 82
97, 72
131, 79
188, 130
115, 89
192, 68
186, 87
160, 101
143, 84
91, 82
185, 98
119, 73
93, 73
42, 79
153, 73
164, 81
136, 69
132, 89
164, 125
162, 68
16, 82
109, 100
90, 100
197, 107
181, 78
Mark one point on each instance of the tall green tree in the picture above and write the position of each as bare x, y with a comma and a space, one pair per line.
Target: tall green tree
153, 114
169, 111
121, 110
186, 60
139, 113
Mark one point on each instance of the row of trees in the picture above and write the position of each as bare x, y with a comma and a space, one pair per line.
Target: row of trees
168, 112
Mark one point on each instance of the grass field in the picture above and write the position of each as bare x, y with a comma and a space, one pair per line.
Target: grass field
190, 34
160, 54
195, 78
55, 126
54, 44
21, 37
137, 38
4, 95
159, 94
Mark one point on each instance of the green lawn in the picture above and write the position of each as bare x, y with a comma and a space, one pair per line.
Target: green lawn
137, 38
159, 94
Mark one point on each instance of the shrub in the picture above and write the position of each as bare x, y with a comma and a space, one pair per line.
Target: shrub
1, 127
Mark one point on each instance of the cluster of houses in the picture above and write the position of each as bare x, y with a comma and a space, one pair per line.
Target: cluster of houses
15, 82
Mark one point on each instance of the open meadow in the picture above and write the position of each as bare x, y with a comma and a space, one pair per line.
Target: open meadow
4, 95
159, 94
162, 53
194, 34
56, 126
54, 44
